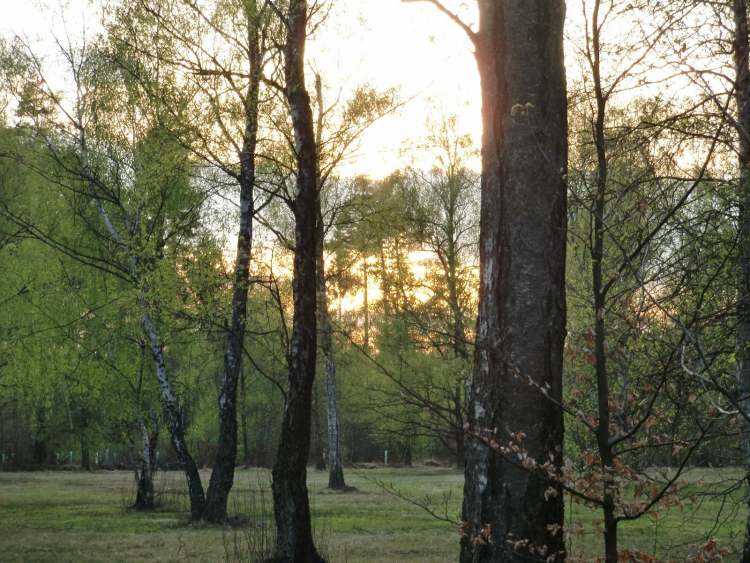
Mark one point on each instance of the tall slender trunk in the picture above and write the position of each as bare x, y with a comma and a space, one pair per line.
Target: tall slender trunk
366, 303
174, 418
603, 437
294, 541
459, 341
222, 476
521, 322
317, 447
335, 466
85, 453
144, 476
243, 420
741, 48
458, 415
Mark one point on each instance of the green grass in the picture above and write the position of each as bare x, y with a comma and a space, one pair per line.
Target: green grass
76, 516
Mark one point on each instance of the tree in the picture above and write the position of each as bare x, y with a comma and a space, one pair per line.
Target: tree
227, 81
511, 512
97, 150
741, 52
443, 213
294, 541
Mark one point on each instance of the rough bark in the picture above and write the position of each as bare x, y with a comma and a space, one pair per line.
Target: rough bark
294, 541
521, 323
741, 48
222, 476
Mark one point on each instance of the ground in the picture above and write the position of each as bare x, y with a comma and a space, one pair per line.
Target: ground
76, 516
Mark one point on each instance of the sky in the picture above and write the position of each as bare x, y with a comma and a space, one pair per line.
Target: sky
384, 43
409, 46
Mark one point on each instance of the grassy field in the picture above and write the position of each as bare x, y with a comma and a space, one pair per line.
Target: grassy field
75, 516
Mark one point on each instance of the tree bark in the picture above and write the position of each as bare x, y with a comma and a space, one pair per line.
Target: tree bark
335, 466
510, 512
317, 447
222, 476
243, 420
172, 411
174, 418
741, 49
294, 541
144, 498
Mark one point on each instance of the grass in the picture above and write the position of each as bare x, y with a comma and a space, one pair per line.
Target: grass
76, 516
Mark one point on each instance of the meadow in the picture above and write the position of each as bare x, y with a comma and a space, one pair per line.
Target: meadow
79, 516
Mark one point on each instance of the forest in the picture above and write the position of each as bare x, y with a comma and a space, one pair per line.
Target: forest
518, 330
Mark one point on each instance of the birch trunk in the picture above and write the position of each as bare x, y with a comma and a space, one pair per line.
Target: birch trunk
175, 422
335, 466
243, 420
222, 476
144, 498
294, 541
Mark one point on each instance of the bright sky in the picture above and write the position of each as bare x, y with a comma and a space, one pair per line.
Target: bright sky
409, 46
385, 43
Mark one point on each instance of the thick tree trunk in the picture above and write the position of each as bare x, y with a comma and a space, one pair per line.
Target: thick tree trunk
521, 323
335, 466
407, 455
294, 541
222, 476
144, 497
741, 49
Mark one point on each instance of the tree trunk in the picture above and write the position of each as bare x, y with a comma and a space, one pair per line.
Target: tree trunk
366, 303
144, 498
407, 457
85, 454
318, 445
335, 466
174, 419
603, 437
294, 541
172, 411
521, 323
222, 476
741, 49
243, 420
458, 415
